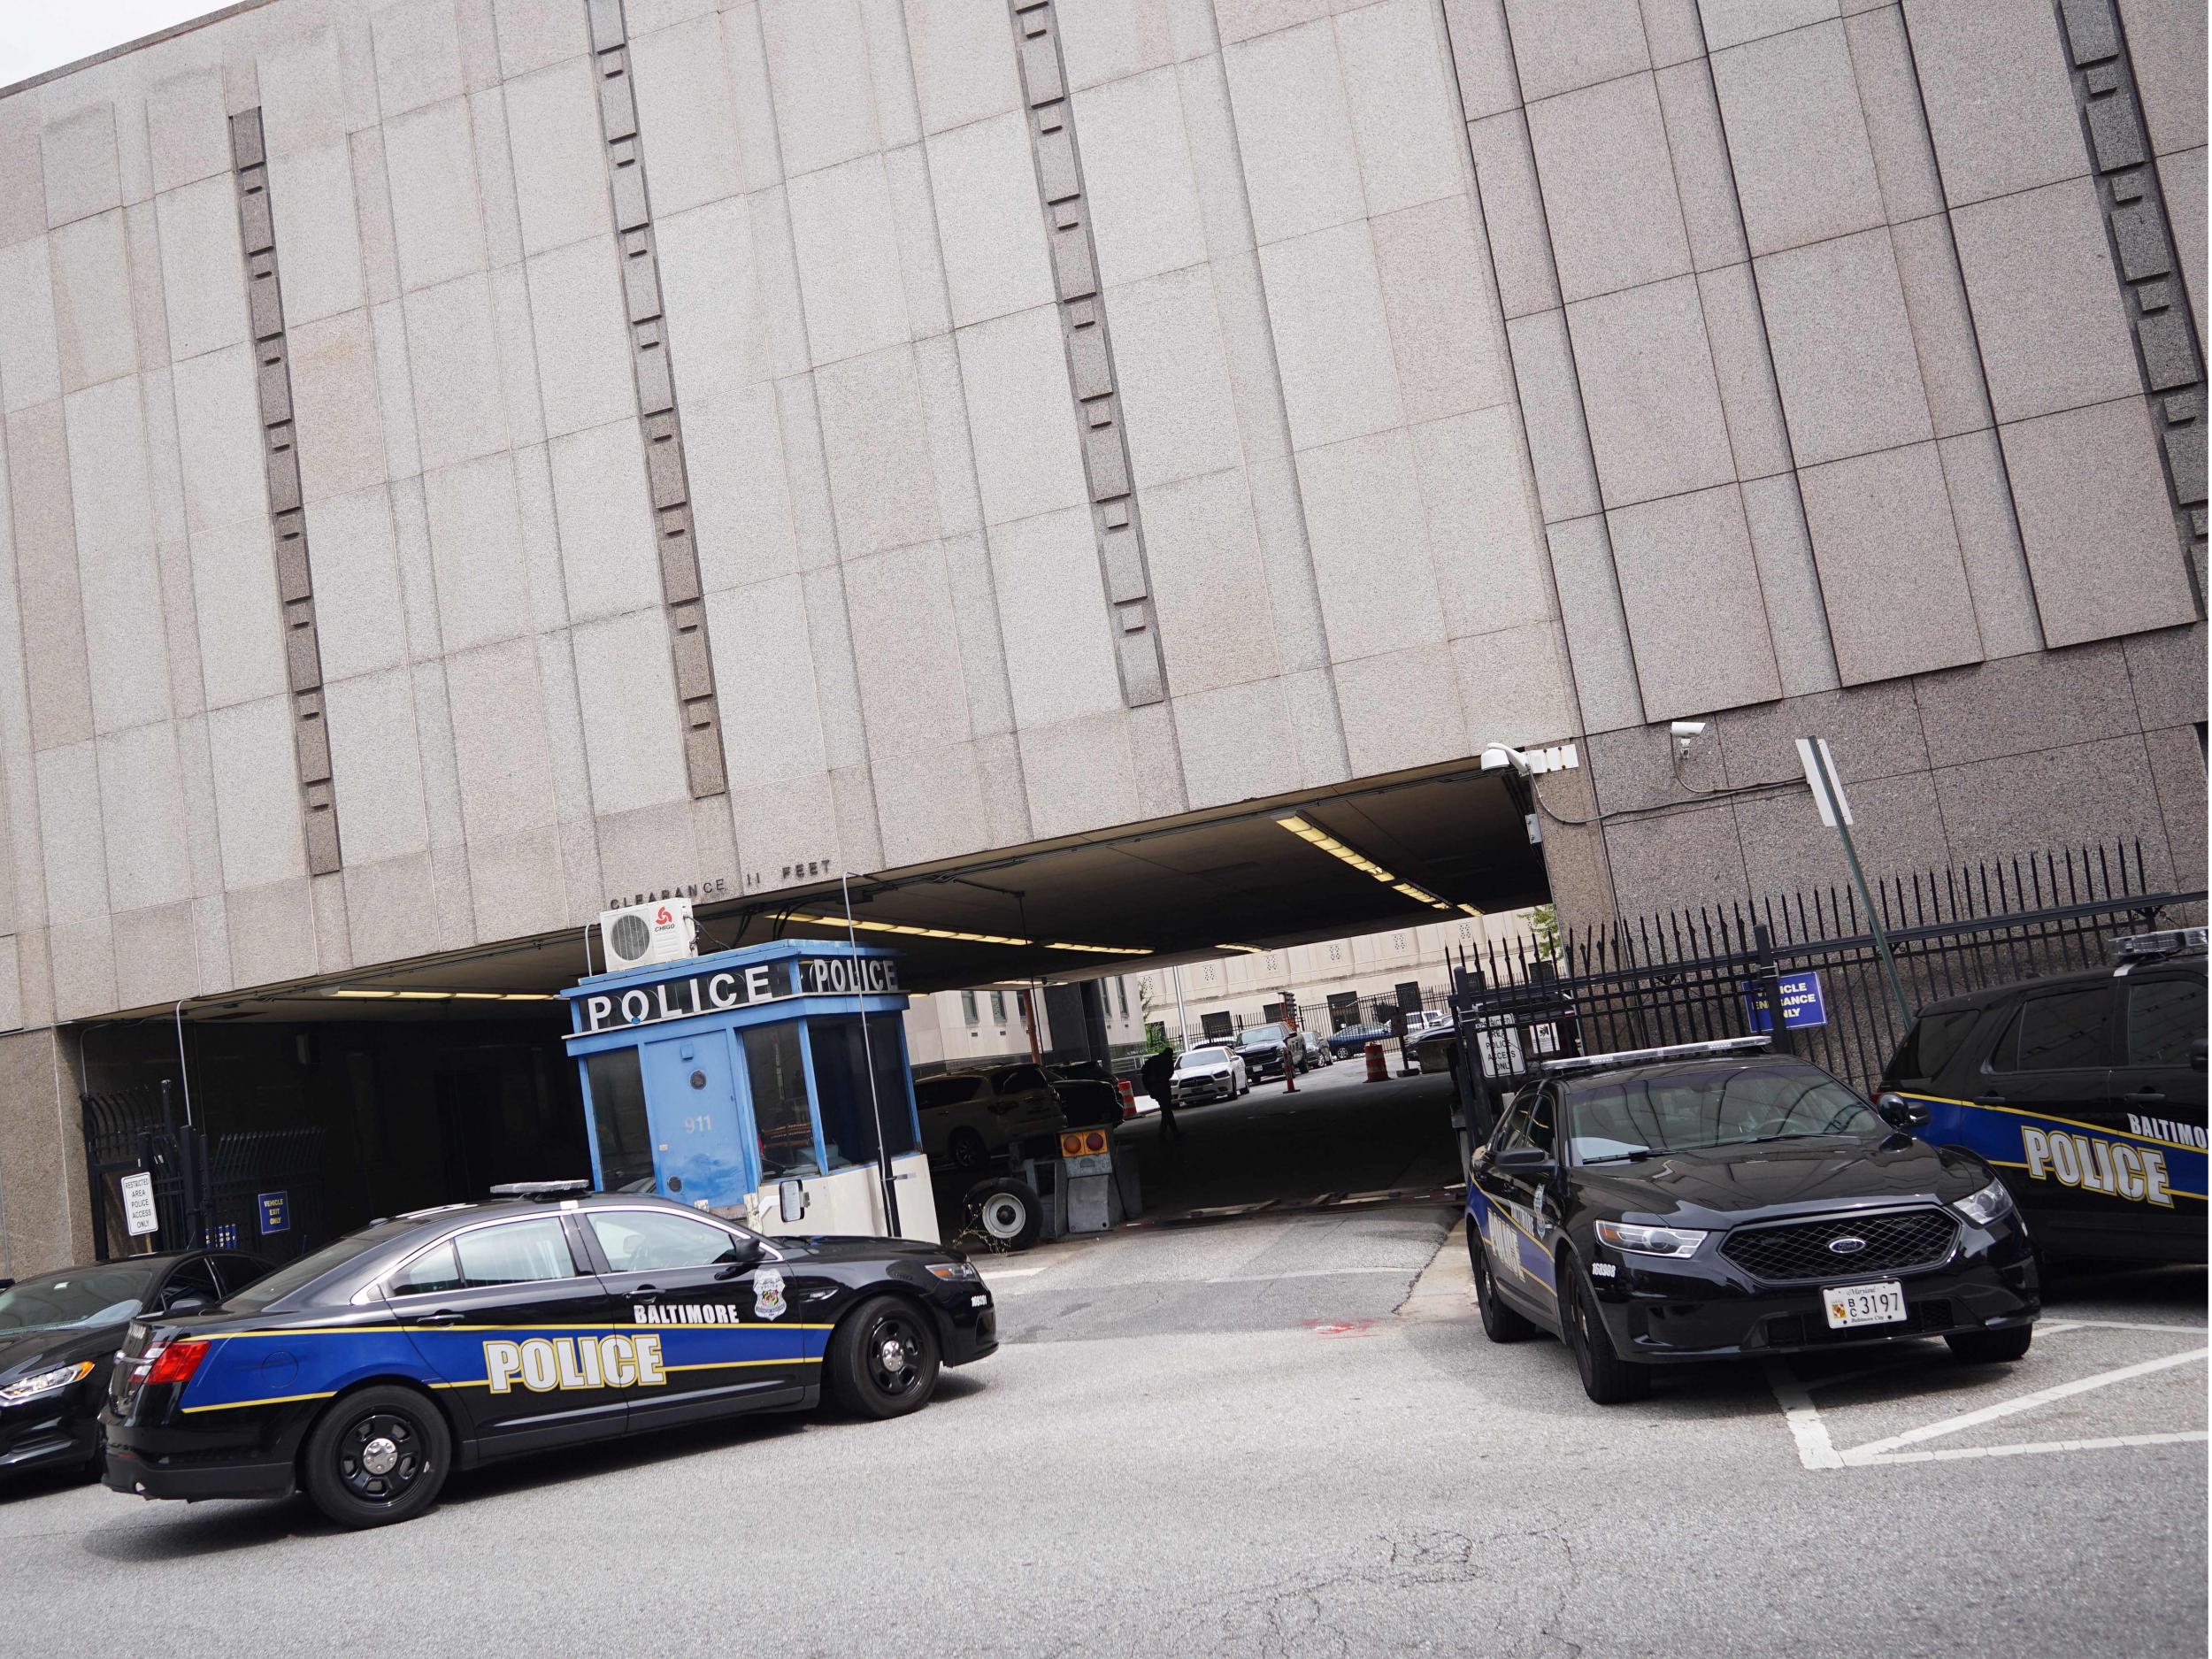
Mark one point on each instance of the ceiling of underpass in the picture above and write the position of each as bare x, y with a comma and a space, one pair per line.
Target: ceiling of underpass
1141, 894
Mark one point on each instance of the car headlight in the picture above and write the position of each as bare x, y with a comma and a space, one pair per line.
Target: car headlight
957, 1271
1992, 1203
44, 1382
1676, 1241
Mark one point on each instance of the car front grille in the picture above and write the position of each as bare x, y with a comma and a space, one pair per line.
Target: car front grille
1892, 1242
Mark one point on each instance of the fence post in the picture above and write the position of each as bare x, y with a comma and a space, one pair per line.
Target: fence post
95, 1180
1769, 976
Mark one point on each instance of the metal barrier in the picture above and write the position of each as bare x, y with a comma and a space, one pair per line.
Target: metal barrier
1729, 970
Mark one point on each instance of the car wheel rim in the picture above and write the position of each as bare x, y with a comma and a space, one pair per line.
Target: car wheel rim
381, 1457
1003, 1216
894, 1351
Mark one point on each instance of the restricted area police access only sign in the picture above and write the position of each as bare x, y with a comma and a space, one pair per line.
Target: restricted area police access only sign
1803, 1004
139, 1215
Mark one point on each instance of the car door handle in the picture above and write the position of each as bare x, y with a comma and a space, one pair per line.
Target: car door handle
2148, 1095
1991, 1100
444, 1316
645, 1290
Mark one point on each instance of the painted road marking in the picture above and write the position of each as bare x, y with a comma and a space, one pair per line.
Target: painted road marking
1310, 1272
2028, 1402
1817, 1448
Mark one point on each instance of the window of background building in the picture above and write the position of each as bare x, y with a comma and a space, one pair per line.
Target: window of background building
967, 1007
998, 1006
777, 1073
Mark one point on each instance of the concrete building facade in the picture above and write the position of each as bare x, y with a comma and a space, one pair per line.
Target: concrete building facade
466, 461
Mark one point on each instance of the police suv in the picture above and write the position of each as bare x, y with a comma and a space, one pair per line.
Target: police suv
2086, 1091
367, 1372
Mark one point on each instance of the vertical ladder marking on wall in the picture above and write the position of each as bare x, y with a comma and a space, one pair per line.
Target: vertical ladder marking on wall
273, 386
668, 480
2145, 259
1115, 522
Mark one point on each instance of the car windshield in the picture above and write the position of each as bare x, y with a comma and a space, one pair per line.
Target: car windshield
1207, 1056
264, 1292
1685, 1107
106, 1293
1253, 1035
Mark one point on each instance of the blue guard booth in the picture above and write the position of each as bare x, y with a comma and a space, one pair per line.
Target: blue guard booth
752, 1082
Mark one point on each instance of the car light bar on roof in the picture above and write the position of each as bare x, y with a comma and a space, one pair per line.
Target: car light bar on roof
1359, 860
2172, 942
1668, 1051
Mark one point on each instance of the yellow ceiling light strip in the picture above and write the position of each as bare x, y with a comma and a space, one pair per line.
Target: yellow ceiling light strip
908, 929
1359, 860
1100, 951
1249, 950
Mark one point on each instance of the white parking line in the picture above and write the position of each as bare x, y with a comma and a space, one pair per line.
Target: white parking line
2024, 1402
1310, 1272
1015, 1272
1817, 1448
1947, 1453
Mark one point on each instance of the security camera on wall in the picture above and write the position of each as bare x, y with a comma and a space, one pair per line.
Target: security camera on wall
1686, 732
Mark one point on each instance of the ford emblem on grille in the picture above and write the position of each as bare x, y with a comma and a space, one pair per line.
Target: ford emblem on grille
1846, 1246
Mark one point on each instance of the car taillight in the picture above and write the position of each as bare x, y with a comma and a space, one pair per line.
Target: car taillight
176, 1363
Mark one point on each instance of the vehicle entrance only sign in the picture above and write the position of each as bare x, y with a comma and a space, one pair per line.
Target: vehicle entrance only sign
1803, 1003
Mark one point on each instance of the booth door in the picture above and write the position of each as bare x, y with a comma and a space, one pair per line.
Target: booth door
699, 1143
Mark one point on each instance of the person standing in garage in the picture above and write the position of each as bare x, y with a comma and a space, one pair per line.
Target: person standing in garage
1157, 1074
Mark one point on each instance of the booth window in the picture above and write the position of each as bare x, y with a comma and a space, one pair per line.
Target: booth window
841, 1082
616, 1078
777, 1072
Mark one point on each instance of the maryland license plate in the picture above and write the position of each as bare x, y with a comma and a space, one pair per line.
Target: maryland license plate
1879, 1303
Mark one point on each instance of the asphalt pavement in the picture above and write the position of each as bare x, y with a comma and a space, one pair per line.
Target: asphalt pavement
1277, 1433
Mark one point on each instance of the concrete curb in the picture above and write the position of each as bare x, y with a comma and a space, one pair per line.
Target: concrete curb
1446, 1288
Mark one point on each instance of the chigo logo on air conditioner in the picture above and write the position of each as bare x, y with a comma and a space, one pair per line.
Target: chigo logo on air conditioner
543, 1363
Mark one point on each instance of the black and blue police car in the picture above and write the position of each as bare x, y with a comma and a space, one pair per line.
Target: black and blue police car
366, 1372
1711, 1201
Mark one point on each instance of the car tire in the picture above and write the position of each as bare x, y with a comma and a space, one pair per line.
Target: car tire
1008, 1213
97, 1464
966, 1149
1990, 1348
1607, 1379
882, 1359
1500, 1323
377, 1456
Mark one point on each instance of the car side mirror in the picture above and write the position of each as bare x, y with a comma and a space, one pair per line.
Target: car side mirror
1530, 1160
742, 1254
1900, 1113
791, 1201
2196, 1061
186, 1301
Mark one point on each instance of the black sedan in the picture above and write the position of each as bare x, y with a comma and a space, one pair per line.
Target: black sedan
58, 1333
1715, 1201
368, 1371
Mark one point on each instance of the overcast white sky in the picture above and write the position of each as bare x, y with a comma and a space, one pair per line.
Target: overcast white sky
36, 35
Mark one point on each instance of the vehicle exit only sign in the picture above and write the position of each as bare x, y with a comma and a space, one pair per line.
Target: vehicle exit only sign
1803, 1003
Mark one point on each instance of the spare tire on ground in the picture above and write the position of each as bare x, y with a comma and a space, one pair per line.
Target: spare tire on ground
1007, 1212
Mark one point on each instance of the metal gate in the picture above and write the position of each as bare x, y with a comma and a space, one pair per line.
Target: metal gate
258, 1190
127, 1132
1780, 962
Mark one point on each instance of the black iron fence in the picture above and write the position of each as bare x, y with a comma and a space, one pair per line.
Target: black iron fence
258, 1190
1724, 971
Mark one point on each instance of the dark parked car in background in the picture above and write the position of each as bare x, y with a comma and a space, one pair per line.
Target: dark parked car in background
1088, 1095
1353, 1038
1266, 1050
2086, 1091
59, 1334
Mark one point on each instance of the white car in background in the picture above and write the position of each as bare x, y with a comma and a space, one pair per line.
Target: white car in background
1205, 1074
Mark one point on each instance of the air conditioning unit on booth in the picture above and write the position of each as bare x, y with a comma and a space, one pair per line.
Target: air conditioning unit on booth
640, 935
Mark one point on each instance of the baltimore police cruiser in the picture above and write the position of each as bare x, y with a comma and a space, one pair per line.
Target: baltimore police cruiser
366, 1372
2086, 1091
